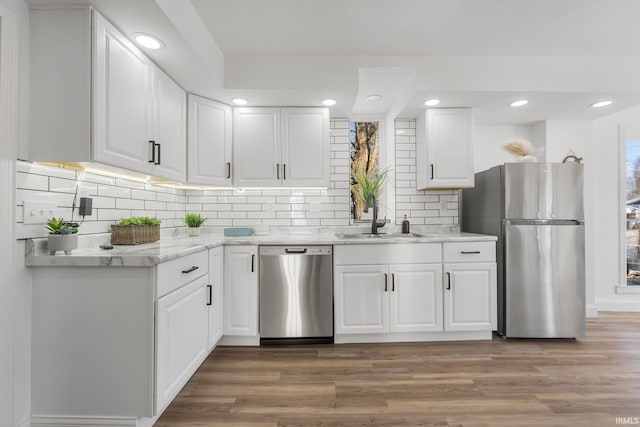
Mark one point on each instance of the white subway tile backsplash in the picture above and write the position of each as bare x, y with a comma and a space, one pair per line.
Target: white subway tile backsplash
143, 195
129, 204
32, 182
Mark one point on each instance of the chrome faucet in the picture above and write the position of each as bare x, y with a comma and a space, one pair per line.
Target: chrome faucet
374, 223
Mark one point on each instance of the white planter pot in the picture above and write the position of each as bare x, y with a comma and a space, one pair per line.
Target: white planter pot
193, 231
62, 242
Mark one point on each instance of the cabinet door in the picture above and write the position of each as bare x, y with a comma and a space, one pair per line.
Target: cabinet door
209, 142
171, 129
415, 303
470, 297
361, 299
305, 147
123, 101
256, 147
444, 149
241, 290
181, 344
215, 287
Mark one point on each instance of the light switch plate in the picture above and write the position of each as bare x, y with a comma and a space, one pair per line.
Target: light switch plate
38, 212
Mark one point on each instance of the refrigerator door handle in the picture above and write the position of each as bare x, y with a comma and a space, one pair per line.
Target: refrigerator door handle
543, 222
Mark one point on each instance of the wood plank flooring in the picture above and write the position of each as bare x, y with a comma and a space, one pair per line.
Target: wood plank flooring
588, 382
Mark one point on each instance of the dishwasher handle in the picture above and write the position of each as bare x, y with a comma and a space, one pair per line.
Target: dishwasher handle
296, 251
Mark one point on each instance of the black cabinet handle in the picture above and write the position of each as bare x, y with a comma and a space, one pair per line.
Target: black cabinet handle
228, 170
210, 288
277, 170
194, 268
393, 282
153, 152
469, 252
385, 282
431, 170
284, 171
448, 281
253, 259
159, 151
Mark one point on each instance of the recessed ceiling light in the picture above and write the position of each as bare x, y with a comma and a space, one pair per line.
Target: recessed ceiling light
374, 98
431, 102
519, 103
148, 41
601, 104
240, 101
329, 102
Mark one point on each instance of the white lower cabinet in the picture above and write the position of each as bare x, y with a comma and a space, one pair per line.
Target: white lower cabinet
470, 297
181, 344
414, 296
241, 291
388, 298
215, 288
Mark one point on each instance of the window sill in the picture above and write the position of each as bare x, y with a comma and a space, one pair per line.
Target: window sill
623, 289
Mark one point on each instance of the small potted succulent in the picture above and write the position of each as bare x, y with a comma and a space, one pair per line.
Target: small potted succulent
62, 236
193, 222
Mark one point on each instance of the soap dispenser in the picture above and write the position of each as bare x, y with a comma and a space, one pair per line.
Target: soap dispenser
405, 225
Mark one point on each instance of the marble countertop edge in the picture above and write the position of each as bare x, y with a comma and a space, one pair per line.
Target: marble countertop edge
169, 248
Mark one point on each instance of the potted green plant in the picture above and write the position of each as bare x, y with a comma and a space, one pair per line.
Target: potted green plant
135, 230
62, 236
193, 222
367, 184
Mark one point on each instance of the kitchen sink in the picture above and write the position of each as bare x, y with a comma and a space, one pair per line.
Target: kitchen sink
378, 236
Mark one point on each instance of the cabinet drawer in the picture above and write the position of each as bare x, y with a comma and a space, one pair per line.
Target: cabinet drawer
178, 272
387, 253
469, 251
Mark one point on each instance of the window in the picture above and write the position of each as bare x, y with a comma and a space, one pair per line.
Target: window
632, 210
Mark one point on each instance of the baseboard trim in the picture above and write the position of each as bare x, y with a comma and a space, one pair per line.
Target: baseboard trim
413, 337
67, 421
239, 340
592, 310
618, 305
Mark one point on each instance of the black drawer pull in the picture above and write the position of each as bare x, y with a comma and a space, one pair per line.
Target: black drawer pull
194, 268
284, 171
385, 282
277, 170
393, 282
469, 252
253, 259
159, 152
448, 281
431, 170
210, 295
228, 170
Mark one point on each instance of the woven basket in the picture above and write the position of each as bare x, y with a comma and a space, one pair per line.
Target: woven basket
134, 234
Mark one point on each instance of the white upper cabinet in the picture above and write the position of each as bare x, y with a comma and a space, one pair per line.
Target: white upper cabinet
256, 142
123, 101
444, 148
276, 147
305, 147
97, 97
209, 142
170, 129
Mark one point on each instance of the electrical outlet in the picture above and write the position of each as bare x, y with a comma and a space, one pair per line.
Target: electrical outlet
38, 212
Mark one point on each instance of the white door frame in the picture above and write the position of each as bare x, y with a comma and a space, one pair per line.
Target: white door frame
624, 134
9, 62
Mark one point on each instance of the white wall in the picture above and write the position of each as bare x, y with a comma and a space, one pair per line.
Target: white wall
607, 216
488, 142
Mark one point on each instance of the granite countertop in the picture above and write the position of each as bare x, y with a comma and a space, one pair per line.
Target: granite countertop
89, 254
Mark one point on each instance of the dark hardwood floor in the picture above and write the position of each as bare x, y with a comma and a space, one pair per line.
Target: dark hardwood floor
588, 382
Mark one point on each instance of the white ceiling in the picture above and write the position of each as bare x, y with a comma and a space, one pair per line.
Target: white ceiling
560, 54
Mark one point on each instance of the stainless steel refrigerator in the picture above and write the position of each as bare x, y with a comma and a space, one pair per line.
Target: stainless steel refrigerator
536, 211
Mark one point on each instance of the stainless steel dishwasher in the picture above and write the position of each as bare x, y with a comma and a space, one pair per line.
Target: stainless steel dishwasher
296, 294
